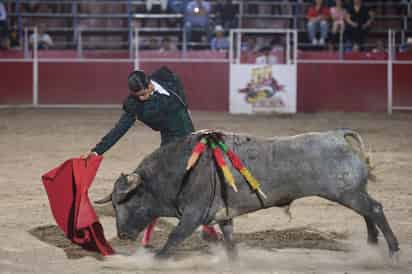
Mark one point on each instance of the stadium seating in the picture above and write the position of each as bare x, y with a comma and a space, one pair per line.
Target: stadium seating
107, 24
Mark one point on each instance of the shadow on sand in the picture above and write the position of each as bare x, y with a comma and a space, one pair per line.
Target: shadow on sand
268, 239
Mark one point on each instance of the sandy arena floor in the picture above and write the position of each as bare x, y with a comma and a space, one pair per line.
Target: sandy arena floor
322, 237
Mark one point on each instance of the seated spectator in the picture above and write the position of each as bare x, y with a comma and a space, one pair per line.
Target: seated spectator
226, 14
249, 44
197, 16
318, 16
177, 6
359, 20
149, 43
271, 54
54, 6
167, 45
338, 14
263, 56
3, 26
32, 7
379, 47
14, 41
407, 46
219, 42
44, 41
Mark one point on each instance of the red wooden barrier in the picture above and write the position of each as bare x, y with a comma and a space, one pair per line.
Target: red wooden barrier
16, 83
321, 87
402, 85
342, 87
83, 83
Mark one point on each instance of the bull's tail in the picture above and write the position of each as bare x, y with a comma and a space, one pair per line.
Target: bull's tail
362, 150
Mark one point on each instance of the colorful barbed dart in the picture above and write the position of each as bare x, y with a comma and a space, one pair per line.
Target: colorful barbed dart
196, 152
237, 163
217, 153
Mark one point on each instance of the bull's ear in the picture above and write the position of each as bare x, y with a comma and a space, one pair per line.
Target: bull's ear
132, 182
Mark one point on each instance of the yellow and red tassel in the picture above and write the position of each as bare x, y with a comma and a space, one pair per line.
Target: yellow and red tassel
237, 163
196, 152
217, 149
217, 153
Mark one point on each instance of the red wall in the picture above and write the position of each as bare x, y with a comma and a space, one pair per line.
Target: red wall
16, 81
106, 83
342, 87
402, 85
321, 87
83, 83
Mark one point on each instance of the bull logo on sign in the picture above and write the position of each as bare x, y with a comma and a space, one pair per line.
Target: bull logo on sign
263, 90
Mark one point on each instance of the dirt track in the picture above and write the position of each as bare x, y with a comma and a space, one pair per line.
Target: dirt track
322, 237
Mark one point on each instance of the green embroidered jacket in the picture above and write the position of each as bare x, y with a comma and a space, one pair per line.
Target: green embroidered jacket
167, 114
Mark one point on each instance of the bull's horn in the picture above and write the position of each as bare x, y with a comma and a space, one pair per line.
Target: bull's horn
105, 200
133, 179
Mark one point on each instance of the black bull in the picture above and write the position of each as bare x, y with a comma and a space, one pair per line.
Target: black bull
314, 164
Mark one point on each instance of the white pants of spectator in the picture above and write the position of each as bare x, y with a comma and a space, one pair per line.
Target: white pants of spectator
313, 28
149, 4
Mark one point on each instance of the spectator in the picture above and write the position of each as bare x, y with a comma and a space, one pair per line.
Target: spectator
32, 7
219, 42
14, 41
226, 14
167, 45
379, 47
178, 6
44, 41
263, 56
197, 16
152, 44
250, 44
54, 6
3, 26
359, 20
271, 54
407, 46
338, 14
318, 16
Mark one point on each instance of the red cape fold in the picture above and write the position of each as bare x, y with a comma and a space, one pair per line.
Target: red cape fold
67, 189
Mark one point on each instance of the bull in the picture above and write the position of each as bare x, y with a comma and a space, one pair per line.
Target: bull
324, 164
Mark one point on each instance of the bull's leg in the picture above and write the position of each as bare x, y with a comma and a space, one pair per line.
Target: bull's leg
230, 246
363, 204
372, 231
186, 226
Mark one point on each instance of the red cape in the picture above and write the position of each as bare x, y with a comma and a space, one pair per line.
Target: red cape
67, 188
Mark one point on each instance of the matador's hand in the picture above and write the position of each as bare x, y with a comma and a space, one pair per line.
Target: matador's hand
88, 154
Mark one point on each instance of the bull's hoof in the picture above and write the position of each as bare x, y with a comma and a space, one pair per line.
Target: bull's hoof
395, 257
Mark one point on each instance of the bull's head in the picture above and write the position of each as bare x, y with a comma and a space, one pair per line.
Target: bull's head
132, 205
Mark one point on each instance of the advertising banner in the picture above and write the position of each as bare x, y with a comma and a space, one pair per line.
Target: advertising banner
262, 88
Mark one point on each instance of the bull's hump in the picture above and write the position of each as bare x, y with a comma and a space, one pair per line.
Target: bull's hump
242, 138
306, 135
